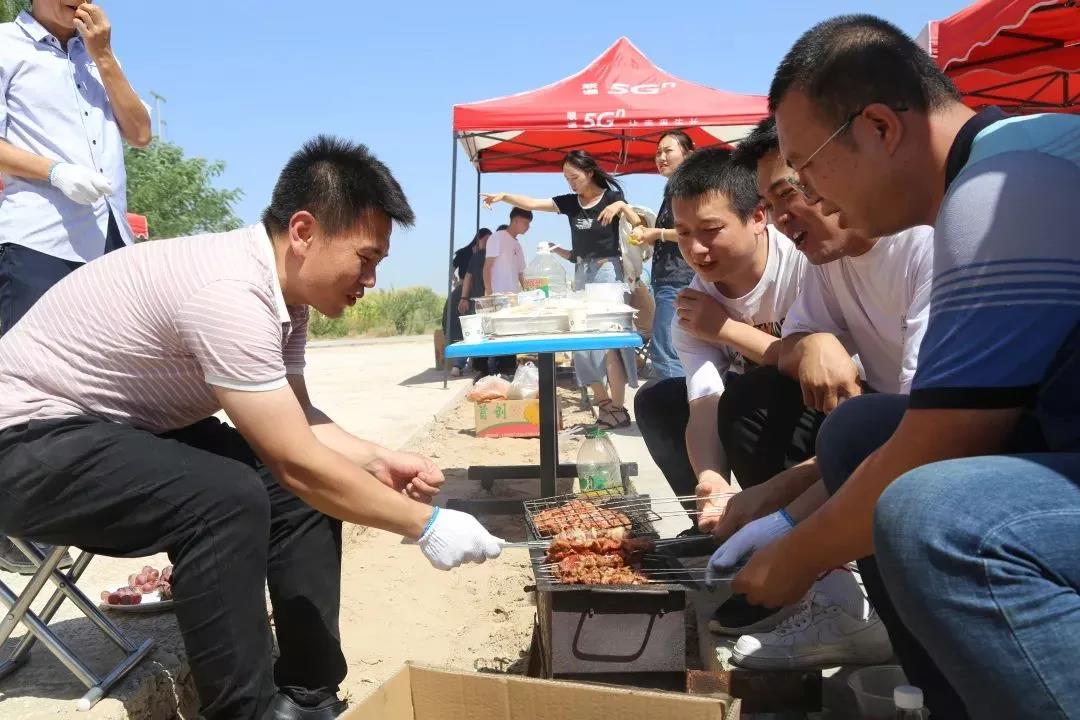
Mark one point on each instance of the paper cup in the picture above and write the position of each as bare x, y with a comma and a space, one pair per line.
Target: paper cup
472, 328
579, 320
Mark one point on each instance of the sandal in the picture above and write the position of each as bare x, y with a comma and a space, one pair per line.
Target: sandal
620, 417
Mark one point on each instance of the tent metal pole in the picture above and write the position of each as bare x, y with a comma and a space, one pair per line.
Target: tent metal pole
477, 200
450, 261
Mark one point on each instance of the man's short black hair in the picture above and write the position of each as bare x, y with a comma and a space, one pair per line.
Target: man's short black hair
337, 181
710, 170
846, 63
520, 212
761, 141
501, 227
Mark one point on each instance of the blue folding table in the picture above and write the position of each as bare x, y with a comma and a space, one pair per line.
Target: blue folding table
545, 347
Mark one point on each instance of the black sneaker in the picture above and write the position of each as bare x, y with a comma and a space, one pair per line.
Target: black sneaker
736, 616
13, 560
283, 707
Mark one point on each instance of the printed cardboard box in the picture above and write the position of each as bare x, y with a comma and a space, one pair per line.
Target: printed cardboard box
424, 693
508, 418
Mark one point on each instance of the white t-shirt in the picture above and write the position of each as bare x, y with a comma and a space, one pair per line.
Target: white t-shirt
877, 304
505, 250
764, 307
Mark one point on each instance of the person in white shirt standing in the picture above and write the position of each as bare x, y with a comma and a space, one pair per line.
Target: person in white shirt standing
504, 272
504, 264
65, 110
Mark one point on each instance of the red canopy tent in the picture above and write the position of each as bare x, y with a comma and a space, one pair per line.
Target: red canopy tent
1019, 54
616, 109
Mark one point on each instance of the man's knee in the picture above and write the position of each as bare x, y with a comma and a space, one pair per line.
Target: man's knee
658, 407
237, 501
851, 432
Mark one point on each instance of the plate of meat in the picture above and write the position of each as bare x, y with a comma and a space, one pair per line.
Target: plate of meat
147, 591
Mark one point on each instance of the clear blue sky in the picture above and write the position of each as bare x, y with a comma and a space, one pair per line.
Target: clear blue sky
248, 83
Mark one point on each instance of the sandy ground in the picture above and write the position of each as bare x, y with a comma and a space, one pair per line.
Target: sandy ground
395, 606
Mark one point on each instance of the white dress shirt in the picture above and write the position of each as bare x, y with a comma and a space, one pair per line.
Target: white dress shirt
53, 104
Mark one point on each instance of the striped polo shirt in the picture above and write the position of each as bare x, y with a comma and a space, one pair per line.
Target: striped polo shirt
1004, 328
139, 336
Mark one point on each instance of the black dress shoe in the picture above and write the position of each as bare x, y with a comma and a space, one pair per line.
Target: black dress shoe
13, 560
283, 707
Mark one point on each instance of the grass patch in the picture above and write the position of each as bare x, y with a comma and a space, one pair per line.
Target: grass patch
383, 313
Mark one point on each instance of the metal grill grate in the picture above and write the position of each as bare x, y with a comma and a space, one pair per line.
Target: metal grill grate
639, 515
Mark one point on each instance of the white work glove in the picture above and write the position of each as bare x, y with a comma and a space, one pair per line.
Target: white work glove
453, 538
78, 183
747, 540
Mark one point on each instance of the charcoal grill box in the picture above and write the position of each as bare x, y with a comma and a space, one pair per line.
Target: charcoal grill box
424, 693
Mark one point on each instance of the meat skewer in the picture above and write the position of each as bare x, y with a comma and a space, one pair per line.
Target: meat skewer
578, 515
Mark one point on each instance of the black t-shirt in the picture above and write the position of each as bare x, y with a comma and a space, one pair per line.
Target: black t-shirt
476, 267
590, 239
668, 265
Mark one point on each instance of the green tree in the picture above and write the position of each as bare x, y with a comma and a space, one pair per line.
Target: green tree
176, 194
9, 9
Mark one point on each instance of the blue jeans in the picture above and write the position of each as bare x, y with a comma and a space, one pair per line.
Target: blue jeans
850, 433
665, 360
981, 557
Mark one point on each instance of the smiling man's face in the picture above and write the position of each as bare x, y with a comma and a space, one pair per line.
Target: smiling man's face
815, 234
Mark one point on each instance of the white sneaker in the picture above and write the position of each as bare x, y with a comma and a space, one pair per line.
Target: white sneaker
820, 634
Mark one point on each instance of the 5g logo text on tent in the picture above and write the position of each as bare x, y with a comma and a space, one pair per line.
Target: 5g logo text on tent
620, 88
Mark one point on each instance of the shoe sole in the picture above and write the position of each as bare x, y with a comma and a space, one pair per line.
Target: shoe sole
824, 658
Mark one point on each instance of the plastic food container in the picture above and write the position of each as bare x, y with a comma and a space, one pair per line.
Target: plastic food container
873, 690
529, 325
620, 321
492, 303
607, 293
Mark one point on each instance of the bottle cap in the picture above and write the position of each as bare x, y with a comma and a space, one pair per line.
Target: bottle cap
907, 697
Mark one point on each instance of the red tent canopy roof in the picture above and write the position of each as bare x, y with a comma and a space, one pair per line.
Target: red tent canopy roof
1019, 53
616, 108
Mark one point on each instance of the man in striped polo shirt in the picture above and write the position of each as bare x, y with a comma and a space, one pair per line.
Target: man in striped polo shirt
108, 386
961, 502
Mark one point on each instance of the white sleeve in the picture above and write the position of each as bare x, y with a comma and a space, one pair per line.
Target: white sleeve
921, 274
493, 246
704, 364
815, 308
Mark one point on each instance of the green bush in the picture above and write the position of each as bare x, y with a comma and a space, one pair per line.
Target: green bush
383, 313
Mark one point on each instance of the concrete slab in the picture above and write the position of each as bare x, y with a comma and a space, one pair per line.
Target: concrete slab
382, 390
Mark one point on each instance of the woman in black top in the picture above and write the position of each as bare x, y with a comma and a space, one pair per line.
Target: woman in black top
670, 272
591, 209
462, 259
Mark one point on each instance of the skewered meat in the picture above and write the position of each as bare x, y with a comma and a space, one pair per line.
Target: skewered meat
578, 514
584, 575
600, 542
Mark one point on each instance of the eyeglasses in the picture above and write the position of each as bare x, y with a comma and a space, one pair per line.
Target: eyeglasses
805, 190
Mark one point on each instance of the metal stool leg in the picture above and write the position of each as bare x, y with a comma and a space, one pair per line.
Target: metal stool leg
66, 587
19, 612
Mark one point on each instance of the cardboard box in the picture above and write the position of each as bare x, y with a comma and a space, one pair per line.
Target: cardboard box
508, 418
423, 693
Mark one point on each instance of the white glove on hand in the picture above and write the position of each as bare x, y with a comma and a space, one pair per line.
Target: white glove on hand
750, 538
78, 183
453, 538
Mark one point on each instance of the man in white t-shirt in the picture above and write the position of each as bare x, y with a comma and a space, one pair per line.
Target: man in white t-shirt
868, 297
504, 265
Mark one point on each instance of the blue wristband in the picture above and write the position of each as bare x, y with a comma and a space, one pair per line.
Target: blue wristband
431, 521
784, 514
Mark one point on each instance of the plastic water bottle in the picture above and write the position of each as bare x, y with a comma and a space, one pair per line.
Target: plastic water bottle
909, 703
598, 466
545, 272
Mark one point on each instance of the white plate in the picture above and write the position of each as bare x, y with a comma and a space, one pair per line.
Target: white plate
151, 603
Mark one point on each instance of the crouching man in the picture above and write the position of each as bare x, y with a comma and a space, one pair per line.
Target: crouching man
108, 386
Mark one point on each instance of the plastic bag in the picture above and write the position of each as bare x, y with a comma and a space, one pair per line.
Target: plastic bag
526, 383
491, 387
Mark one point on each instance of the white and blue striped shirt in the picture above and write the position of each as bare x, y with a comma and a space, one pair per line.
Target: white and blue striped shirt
53, 104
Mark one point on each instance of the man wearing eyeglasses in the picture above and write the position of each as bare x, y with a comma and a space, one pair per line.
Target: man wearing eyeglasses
966, 495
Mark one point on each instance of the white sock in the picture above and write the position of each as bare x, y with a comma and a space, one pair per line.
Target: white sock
842, 588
